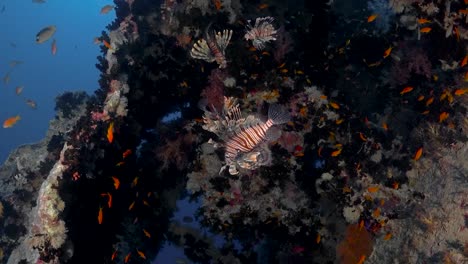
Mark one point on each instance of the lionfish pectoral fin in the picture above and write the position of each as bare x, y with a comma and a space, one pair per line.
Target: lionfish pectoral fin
278, 114
272, 134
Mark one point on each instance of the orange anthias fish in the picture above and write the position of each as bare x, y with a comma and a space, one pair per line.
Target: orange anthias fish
387, 236
372, 18
114, 255
107, 44
406, 90
362, 137
334, 105
336, 153
425, 29
147, 234
262, 6
126, 153
99, 218
54, 47
459, 92
10, 122
387, 52
373, 189
217, 4
443, 116
127, 258
418, 154
106, 9
109, 196
423, 21
141, 254
110, 132
362, 259
116, 182
464, 61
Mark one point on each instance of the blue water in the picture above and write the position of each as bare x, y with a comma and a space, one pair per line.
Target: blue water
43, 75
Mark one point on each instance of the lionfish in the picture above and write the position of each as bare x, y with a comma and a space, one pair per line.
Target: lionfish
243, 136
212, 49
262, 32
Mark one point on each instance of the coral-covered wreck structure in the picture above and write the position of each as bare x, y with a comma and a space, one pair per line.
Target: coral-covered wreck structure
369, 165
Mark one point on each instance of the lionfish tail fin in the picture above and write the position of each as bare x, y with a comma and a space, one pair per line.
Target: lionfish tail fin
278, 114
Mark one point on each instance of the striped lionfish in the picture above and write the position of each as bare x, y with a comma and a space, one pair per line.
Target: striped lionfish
262, 32
243, 136
212, 49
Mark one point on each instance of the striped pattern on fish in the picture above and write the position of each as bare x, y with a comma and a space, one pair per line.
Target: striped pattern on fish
247, 138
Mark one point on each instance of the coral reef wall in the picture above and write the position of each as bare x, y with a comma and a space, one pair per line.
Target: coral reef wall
307, 131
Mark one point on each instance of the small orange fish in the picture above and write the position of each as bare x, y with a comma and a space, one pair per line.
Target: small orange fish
429, 101
262, 6
99, 218
385, 126
361, 224
110, 132
457, 33
334, 105
376, 213
418, 154
362, 137
406, 90
10, 122
387, 236
464, 61
459, 92
126, 153
114, 255
395, 185
463, 11
420, 98
373, 189
127, 258
284, 70
54, 47
339, 121
317, 240
106, 9
146, 203
425, 112
387, 52
319, 151
107, 44
443, 116
372, 18
425, 30
362, 259
116, 182
131, 206
120, 163
423, 21
217, 4
141, 254
135, 181
147, 234
109, 196
336, 152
